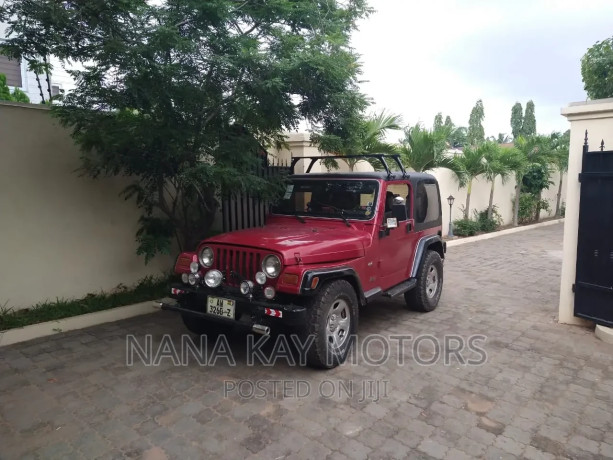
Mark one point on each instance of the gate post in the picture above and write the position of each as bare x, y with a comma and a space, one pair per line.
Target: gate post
595, 117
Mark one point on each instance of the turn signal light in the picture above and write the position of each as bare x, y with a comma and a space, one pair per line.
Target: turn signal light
314, 282
289, 278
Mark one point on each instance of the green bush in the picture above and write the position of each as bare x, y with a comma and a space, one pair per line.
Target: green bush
563, 209
5, 92
465, 227
527, 207
485, 224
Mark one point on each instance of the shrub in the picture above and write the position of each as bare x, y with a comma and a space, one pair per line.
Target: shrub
486, 224
563, 209
527, 207
5, 92
465, 227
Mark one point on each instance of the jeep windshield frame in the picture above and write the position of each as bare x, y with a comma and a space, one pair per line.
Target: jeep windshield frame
331, 198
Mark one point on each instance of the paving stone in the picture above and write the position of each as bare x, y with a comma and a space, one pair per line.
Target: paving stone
544, 391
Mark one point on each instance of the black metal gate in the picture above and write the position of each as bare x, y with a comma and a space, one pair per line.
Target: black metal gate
594, 282
240, 210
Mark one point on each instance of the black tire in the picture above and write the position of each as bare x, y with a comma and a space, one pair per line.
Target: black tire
336, 296
423, 297
202, 326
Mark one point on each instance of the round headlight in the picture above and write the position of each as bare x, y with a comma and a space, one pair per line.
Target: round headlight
206, 256
269, 292
193, 267
192, 279
185, 278
246, 287
271, 265
213, 278
260, 277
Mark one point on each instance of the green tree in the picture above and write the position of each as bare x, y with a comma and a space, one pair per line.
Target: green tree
476, 134
438, 121
500, 162
458, 137
368, 137
528, 127
448, 123
597, 70
467, 167
517, 120
423, 150
183, 97
560, 146
535, 154
5, 92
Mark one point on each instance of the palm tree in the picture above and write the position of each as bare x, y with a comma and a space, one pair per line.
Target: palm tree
501, 162
560, 146
467, 166
423, 150
372, 136
534, 150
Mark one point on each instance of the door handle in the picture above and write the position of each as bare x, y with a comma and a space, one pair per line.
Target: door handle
409, 227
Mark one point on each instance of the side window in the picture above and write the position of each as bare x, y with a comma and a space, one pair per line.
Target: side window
434, 210
391, 206
421, 203
427, 203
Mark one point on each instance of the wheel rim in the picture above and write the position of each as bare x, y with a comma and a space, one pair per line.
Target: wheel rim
338, 323
432, 282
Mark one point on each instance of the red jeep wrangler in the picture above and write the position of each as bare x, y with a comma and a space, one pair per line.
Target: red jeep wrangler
333, 243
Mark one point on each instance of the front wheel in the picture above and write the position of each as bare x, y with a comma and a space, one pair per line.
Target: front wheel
332, 321
426, 294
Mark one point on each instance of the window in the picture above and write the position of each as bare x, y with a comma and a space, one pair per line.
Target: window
397, 191
12, 69
353, 199
427, 203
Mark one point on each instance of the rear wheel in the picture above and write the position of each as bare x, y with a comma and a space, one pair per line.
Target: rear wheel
426, 294
332, 319
202, 326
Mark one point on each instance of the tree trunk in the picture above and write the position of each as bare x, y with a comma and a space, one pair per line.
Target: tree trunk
537, 215
490, 209
559, 200
468, 192
517, 194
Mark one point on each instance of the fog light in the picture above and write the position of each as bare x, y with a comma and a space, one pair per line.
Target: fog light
184, 278
260, 277
192, 278
269, 292
213, 278
193, 267
246, 287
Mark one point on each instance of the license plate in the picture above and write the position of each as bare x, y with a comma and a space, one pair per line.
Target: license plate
220, 307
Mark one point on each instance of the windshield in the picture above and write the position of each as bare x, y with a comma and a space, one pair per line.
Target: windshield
352, 199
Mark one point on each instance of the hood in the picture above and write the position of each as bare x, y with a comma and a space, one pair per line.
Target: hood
313, 241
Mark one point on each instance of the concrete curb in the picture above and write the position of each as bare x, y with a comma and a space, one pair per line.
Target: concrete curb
508, 231
604, 333
36, 331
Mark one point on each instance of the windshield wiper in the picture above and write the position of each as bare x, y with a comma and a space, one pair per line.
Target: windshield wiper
300, 218
342, 214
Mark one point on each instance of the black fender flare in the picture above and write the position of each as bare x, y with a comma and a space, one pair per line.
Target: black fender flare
422, 246
328, 274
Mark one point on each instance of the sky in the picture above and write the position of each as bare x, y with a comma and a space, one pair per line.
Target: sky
420, 57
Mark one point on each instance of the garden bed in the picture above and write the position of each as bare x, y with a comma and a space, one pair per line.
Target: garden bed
149, 288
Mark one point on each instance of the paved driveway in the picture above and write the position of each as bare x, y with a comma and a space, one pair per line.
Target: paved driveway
545, 391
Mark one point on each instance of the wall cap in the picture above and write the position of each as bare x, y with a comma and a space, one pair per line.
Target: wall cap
599, 108
25, 105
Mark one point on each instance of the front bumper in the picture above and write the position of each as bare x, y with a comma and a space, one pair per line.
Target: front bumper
192, 301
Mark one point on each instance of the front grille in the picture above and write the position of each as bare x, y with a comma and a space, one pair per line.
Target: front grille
238, 264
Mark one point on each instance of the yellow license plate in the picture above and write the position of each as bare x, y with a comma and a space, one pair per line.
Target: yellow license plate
220, 307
